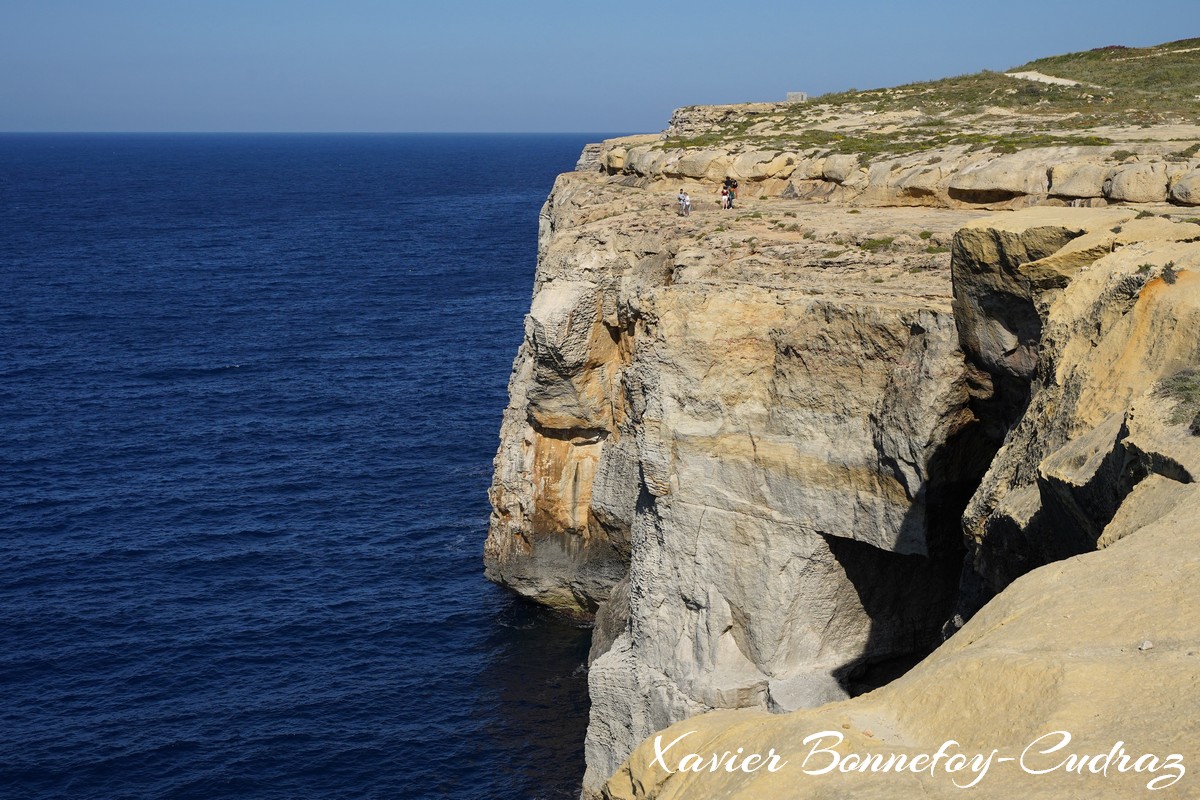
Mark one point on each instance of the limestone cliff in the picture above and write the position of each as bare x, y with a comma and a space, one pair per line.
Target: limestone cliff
764, 425
780, 451
1083, 311
1102, 458
1095, 646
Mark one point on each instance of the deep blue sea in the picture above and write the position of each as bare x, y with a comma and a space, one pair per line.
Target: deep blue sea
250, 389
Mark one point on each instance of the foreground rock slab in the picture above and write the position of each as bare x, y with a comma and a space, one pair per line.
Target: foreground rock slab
1060, 651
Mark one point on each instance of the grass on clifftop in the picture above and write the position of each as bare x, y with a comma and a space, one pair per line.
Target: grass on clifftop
1167, 72
1117, 86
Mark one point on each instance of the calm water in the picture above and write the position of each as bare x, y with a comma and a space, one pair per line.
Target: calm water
249, 394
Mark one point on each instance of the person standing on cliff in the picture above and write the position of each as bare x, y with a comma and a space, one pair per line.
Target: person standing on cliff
687, 204
682, 203
724, 198
729, 191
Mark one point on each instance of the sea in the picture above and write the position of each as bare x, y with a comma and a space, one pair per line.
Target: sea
250, 390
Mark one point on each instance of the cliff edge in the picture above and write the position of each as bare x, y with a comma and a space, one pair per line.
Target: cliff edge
780, 452
1099, 471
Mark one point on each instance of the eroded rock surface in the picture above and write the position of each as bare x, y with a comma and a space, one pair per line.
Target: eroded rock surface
1088, 328
1094, 313
1102, 647
743, 440
763, 417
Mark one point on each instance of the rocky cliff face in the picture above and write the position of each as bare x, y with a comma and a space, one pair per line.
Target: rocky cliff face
1075, 308
565, 484
951, 176
1096, 313
758, 430
779, 452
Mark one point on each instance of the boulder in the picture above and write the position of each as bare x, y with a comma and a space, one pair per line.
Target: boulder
697, 164
1186, 188
1007, 176
838, 168
1078, 179
759, 164
1138, 183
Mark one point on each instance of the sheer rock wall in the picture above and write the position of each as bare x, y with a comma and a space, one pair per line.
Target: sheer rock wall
1085, 523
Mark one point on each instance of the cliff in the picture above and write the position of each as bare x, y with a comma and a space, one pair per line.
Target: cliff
779, 452
1100, 466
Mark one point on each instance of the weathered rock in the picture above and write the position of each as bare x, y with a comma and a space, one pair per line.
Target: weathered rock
1055, 271
1078, 179
611, 621
1100, 460
809, 169
1109, 331
839, 168
758, 164
801, 464
924, 181
565, 483
589, 158
993, 302
760, 429
1063, 649
1186, 188
1138, 183
1002, 179
771, 465
704, 164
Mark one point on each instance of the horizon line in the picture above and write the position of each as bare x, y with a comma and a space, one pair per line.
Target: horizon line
299, 133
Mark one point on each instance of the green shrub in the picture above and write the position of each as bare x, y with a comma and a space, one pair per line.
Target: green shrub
875, 245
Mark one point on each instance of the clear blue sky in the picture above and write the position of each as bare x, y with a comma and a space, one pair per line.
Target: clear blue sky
532, 65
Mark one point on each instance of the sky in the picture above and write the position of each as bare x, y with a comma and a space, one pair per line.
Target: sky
521, 65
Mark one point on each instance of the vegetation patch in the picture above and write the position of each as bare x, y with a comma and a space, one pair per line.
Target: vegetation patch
875, 245
986, 111
1184, 388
